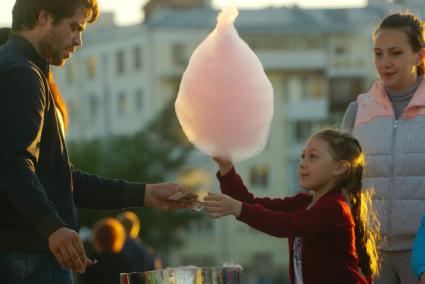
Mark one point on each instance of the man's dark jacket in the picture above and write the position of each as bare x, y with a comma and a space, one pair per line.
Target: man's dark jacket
39, 190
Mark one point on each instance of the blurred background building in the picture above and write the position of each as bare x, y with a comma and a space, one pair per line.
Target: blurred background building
318, 61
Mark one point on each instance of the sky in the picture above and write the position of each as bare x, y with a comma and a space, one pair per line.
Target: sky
130, 12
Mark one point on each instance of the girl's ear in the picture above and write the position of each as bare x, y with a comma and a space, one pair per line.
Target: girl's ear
341, 168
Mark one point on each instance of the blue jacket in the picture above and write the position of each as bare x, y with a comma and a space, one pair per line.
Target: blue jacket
418, 253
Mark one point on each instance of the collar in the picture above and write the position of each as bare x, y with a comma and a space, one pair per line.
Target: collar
380, 94
28, 51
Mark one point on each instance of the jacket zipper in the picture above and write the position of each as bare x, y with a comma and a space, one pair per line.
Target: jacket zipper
391, 185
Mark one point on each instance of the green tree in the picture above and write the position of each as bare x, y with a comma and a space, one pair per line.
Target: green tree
150, 155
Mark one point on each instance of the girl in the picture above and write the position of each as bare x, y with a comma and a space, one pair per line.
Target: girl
327, 240
388, 122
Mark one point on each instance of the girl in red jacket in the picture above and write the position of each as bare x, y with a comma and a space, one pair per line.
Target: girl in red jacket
329, 240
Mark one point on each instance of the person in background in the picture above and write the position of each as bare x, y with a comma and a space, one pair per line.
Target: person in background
142, 257
329, 237
40, 190
418, 253
108, 238
389, 121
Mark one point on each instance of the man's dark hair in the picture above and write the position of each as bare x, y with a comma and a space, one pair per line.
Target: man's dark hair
25, 12
4, 35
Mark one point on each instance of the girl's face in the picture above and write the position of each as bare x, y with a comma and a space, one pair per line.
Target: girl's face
395, 60
317, 169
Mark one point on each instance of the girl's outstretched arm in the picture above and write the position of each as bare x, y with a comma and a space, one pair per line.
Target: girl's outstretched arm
329, 215
218, 205
232, 185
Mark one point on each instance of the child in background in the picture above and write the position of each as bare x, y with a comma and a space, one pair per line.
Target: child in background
328, 240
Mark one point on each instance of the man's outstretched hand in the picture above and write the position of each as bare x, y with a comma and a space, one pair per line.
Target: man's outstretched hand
158, 196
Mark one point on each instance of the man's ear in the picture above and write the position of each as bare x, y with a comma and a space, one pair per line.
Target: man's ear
43, 18
341, 168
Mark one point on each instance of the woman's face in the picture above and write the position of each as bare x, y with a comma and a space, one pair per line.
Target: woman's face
395, 60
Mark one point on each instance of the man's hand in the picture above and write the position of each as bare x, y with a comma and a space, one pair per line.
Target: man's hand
218, 205
224, 165
158, 196
66, 246
422, 278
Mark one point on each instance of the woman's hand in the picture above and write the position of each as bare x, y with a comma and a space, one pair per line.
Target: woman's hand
218, 205
224, 165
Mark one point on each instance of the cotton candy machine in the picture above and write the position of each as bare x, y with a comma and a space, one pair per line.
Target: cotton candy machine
185, 275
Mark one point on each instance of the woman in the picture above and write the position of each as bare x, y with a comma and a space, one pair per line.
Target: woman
389, 121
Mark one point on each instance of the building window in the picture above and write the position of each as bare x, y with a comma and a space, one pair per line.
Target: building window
202, 225
122, 104
293, 177
120, 62
340, 50
91, 67
139, 99
93, 105
138, 59
259, 176
303, 130
316, 87
178, 54
295, 88
343, 91
70, 73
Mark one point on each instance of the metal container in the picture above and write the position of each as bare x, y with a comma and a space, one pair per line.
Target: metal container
185, 275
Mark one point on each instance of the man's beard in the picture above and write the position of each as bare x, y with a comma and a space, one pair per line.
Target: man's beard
49, 50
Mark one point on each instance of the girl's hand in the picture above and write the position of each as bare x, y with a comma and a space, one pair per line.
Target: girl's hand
218, 205
224, 165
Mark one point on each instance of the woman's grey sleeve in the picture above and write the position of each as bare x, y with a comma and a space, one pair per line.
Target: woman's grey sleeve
347, 123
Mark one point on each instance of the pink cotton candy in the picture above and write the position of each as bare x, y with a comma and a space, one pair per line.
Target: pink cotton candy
225, 100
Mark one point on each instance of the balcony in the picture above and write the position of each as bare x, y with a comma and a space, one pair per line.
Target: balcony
307, 109
293, 60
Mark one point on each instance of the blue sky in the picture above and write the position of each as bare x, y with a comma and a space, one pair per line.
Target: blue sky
130, 12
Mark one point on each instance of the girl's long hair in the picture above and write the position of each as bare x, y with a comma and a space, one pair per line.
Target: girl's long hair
59, 101
344, 147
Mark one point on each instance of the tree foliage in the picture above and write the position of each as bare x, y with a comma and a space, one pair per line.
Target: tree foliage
150, 155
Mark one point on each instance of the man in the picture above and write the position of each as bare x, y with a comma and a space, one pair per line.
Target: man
39, 189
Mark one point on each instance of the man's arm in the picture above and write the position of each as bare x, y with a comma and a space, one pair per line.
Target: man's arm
91, 191
94, 192
22, 105
23, 100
